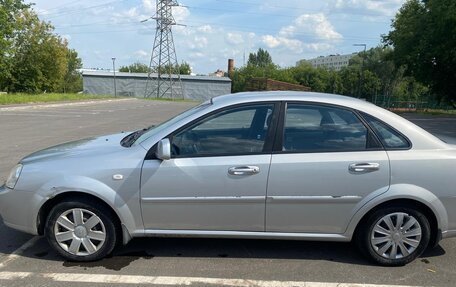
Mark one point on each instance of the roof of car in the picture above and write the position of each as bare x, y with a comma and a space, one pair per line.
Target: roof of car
291, 96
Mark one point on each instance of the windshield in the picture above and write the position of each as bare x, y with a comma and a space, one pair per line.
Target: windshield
155, 129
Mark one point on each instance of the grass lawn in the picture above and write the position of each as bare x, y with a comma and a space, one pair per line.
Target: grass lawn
10, 99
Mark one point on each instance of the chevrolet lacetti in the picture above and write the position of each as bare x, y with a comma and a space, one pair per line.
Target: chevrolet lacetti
275, 165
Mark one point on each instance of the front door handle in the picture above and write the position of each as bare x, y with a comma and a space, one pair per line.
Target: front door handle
364, 167
243, 170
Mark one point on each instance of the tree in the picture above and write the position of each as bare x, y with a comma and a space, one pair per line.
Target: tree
39, 57
135, 68
10, 11
315, 78
32, 58
262, 59
183, 69
424, 36
72, 81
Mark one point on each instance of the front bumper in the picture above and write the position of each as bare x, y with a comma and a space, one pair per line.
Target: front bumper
17, 209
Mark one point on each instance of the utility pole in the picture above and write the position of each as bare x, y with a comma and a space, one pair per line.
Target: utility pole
114, 70
361, 77
163, 61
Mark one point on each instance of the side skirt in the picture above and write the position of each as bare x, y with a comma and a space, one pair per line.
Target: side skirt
242, 234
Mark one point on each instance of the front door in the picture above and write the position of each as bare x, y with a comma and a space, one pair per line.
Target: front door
327, 163
217, 176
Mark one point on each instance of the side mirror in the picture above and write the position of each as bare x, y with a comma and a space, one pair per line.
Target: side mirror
163, 149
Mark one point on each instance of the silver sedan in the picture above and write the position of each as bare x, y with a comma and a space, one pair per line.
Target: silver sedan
274, 165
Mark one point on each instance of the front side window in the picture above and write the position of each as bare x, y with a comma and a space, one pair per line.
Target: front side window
236, 131
312, 128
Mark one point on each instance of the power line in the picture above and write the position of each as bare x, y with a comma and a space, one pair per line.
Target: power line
245, 3
79, 10
63, 5
278, 15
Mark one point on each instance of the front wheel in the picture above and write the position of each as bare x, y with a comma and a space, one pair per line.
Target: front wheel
394, 236
81, 232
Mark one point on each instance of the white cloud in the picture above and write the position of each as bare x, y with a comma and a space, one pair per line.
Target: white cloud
314, 24
290, 44
141, 54
199, 42
318, 47
270, 41
234, 38
292, 37
180, 13
196, 55
205, 29
149, 6
377, 7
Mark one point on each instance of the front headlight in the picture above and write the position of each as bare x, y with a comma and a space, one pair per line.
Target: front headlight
14, 176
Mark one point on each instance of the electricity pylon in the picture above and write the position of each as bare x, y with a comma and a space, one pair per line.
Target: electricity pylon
163, 79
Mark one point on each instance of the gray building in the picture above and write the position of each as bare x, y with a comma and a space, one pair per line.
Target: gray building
134, 85
335, 62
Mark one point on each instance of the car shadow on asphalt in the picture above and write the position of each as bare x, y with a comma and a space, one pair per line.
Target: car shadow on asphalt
150, 248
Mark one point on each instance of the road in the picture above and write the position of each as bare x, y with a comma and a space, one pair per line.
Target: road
166, 261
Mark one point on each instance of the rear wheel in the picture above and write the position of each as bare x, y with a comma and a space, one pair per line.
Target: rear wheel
394, 236
81, 232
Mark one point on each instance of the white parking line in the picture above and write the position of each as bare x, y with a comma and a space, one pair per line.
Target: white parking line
45, 106
168, 280
16, 254
41, 115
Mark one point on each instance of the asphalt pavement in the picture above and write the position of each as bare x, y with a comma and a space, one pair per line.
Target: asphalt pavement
28, 261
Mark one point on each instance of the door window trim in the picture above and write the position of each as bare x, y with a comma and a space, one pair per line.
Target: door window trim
268, 141
278, 142
409, 142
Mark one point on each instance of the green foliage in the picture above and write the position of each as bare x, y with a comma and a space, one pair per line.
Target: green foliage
372, 75
135, 68
10, 11
183, 69
424, 39
35, 59
73, 79
261, 58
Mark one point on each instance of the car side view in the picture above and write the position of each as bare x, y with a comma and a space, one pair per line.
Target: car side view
264, 165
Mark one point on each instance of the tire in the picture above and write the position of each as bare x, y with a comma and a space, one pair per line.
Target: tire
380, 241
81, 232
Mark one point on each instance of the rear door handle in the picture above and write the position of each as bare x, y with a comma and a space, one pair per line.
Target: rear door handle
364, 167
243, 170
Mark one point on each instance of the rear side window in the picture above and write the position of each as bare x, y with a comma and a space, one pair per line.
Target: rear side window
312, 128
390, 138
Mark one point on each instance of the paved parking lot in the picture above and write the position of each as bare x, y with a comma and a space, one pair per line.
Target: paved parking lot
28, 261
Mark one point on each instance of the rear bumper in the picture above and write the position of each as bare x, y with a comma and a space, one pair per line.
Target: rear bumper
17, 208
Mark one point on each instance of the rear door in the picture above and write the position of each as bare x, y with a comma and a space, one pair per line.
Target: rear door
326, 161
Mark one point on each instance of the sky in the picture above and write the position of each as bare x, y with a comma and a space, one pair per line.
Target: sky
216, 30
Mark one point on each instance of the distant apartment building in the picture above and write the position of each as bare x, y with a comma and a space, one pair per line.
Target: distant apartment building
335, 62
